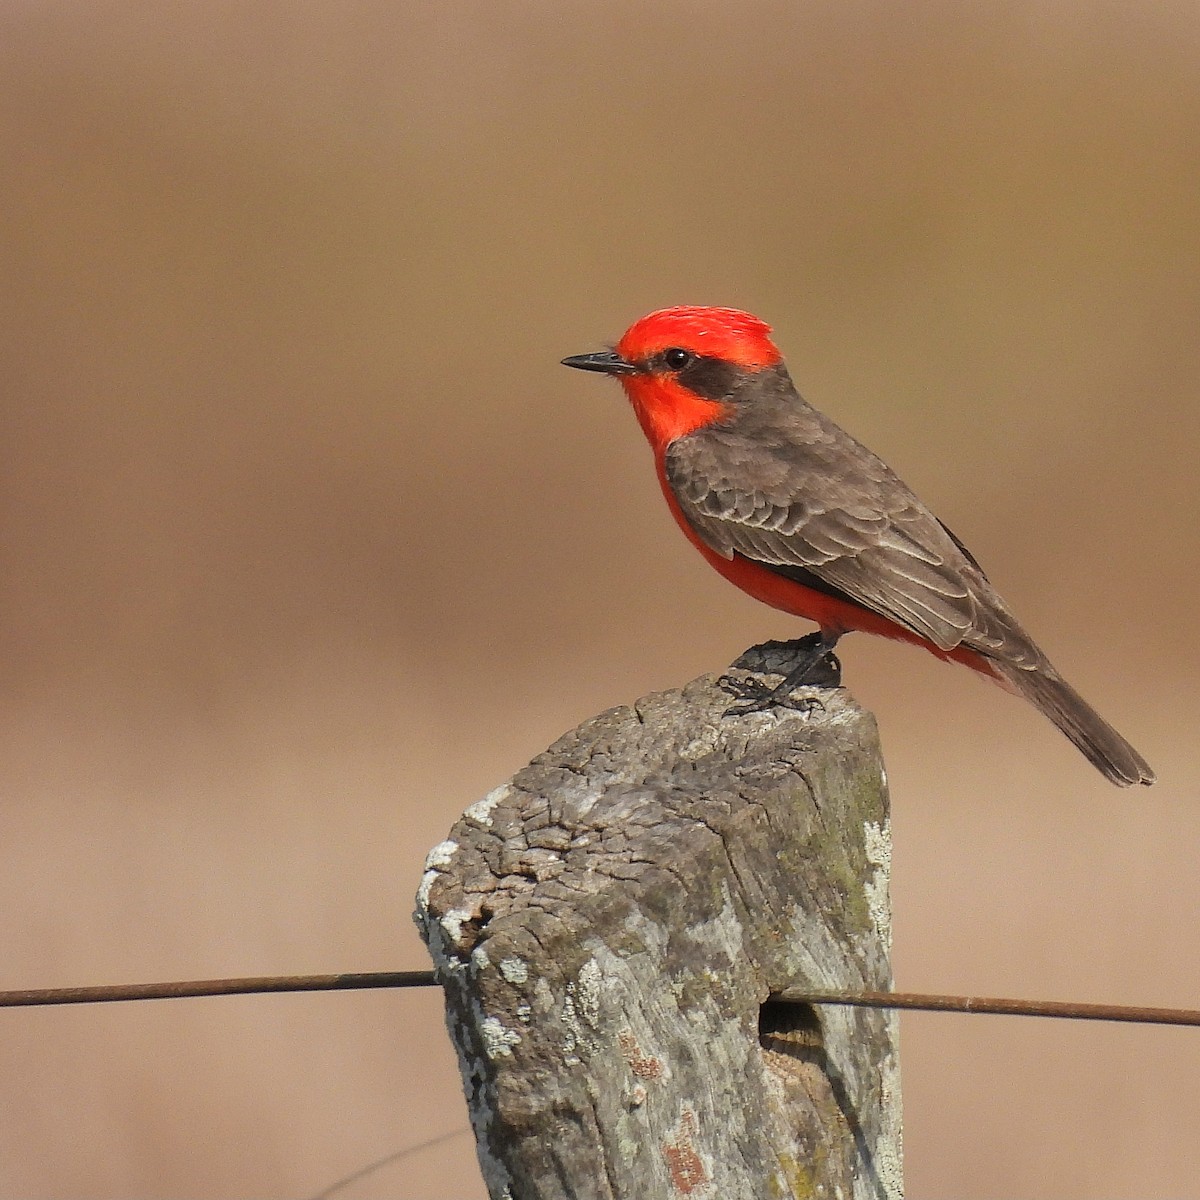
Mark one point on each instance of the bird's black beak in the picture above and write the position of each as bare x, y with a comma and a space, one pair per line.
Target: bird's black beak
608, 362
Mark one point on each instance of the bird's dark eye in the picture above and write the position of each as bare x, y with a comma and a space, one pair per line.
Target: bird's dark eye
676, 358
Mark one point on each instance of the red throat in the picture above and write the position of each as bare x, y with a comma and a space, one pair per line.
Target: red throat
666, 411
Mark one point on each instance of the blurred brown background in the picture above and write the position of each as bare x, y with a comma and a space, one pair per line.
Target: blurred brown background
308, 540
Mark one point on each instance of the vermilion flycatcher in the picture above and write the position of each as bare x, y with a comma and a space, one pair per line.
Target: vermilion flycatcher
801, 516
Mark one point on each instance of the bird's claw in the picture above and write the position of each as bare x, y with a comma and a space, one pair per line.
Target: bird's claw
751, 695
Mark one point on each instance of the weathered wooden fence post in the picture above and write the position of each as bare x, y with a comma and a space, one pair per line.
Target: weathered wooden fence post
609, 925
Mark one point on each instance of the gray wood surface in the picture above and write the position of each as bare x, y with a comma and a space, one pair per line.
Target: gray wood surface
609, 925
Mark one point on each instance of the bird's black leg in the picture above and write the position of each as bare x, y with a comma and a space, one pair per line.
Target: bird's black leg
815, 664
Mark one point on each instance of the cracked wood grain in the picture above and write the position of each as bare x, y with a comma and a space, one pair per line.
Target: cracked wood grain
609, 925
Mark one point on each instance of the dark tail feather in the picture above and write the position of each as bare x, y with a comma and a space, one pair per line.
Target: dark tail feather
1103, 745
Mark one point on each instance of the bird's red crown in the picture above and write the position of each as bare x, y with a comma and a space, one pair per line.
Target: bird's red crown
724, 333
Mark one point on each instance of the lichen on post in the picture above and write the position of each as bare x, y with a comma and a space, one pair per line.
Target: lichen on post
609, 926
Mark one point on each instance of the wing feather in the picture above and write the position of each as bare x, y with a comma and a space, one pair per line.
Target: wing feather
826, 504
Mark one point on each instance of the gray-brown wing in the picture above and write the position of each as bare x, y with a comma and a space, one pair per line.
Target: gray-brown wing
822, 502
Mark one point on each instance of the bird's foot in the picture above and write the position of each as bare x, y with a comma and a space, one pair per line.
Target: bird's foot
810, 661
752, 695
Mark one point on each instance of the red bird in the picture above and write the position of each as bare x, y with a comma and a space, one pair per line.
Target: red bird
793, 510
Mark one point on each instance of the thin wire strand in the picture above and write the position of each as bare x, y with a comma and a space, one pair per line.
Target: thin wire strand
352, 981
355, 981
998, 1006
387, 1160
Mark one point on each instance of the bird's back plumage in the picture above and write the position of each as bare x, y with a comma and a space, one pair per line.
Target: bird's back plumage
780, 484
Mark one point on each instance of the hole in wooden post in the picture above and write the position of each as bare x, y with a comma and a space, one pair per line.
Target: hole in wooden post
791, 1029
815, 1097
